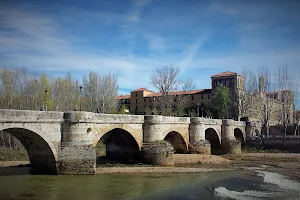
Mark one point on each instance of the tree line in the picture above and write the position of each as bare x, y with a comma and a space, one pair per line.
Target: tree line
22, 90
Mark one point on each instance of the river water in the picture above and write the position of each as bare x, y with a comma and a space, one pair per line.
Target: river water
246, 184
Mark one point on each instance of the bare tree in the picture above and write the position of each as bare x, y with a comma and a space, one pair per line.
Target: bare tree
182, 100
165, 79
244, 99
297, 122
66, 94
287, 85
100, 92
265, 85
108, 90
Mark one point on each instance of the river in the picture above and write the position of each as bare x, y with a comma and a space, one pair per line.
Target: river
251, 183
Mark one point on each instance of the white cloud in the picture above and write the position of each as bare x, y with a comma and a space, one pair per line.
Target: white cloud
132, 18
190, 53
32, 33
38, 42
155, 42
135, 11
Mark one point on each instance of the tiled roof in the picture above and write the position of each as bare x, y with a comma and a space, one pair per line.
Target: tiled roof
180, 92
141, 89
123, 97
224, 74
154, 94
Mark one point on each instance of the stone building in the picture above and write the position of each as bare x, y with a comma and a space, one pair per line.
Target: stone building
255, 107
141, 100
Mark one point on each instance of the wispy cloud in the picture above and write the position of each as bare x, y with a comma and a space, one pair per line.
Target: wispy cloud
132, 18
133, 37
190, 52
32, 32
155, 42
135, 11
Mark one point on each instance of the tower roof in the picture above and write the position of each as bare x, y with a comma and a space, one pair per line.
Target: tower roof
141, 89
227, 73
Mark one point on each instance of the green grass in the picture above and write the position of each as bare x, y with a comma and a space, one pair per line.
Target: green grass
7, 154
255, 150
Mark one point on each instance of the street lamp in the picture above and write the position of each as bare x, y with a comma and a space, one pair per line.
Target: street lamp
198, 110
154, 104
80, 88
202, 110
46, 95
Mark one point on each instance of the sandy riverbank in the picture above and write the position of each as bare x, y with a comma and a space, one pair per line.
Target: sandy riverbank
13, 163
183, 164
284, 163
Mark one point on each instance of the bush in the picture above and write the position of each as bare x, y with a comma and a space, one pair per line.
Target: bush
255, 150
7, 154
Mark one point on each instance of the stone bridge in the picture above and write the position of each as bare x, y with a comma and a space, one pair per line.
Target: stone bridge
62, 143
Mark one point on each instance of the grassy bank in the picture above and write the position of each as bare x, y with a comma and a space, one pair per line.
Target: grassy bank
7, 154
255, 150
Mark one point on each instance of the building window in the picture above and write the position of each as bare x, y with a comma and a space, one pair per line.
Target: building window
136, 94
227, 83
192, 97
144, 100
208, 96
136, 101
201, 96
232, 81
216, 83
150, 107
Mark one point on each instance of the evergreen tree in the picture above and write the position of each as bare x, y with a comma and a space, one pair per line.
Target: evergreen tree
221, 103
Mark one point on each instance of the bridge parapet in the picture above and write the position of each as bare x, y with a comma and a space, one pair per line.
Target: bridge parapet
158, 119
239, 123
207, 121
30, 116
83, 117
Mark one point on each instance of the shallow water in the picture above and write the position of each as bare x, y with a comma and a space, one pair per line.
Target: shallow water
245, 184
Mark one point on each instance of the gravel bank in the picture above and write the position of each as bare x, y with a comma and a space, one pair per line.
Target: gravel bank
147, 169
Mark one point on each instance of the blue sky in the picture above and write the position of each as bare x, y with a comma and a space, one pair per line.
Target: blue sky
133, 37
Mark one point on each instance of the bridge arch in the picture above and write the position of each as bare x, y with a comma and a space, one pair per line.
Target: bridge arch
41, 152
117, 146
212, 136
176, 141
238, 134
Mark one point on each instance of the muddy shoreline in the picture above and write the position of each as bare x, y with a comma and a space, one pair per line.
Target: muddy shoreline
284, 163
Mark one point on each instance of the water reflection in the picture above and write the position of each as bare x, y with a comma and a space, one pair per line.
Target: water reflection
216, 185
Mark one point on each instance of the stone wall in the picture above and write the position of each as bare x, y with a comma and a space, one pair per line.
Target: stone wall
290, 144
279, 130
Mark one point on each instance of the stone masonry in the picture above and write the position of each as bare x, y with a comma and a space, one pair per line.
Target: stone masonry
64, 143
